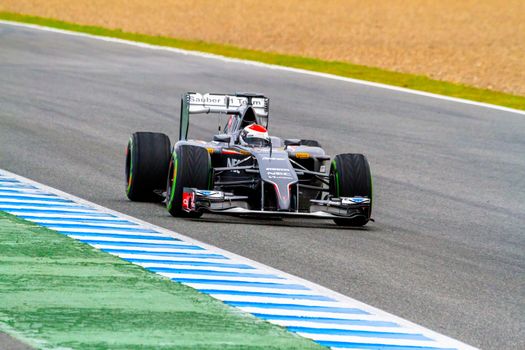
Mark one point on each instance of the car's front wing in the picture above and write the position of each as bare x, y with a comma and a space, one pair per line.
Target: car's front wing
219, 202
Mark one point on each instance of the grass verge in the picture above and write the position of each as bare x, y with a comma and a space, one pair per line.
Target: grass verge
410, 81
56, 292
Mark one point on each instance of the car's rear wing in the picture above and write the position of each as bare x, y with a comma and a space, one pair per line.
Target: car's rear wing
195, 103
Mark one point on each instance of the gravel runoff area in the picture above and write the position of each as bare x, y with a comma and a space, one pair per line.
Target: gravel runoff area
478, 43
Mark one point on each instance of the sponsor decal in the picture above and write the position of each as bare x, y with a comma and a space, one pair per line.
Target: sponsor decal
220, 100
236, 101
354, 200
209, 194
223, 101
232, 162
273, 158
302, 155
206, 193
188, 201
259, 102
207, 100
279, 173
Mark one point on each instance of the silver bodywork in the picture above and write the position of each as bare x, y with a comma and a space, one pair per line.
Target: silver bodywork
286, 178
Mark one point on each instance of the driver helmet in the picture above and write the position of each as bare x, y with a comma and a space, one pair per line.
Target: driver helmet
254, 135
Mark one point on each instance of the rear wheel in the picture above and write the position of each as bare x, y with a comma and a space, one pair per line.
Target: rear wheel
147, 159
190, 166
350, 177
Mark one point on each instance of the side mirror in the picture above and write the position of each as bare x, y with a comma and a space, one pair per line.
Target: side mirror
222, 138
292, 142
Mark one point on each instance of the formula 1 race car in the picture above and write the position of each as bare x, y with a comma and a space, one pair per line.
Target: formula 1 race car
243, 171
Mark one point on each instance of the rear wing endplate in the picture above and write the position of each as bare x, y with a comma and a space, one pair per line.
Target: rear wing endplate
195, 103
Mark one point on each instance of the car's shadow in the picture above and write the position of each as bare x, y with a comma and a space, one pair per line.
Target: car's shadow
325, 224
288, 222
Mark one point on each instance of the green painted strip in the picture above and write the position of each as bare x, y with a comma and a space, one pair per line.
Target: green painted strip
344, 69
60, 293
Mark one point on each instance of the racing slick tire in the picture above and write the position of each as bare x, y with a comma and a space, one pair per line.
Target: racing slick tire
311, 143
147, 160
190, 166
350, 177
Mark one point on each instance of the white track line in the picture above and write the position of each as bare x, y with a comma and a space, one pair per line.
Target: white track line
147, 249
40, 216
367, 340
97, 230
14, 207
28, 195
341, 326
210, 279
266, 65
302, 313
169, 258
121, 233
204, 286
126, 240
182, 267
81, 223
257, 290
266, 300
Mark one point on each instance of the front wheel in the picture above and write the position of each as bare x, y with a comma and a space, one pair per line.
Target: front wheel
350, 177
190, 166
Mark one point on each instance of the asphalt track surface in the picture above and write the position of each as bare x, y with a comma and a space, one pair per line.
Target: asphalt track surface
447, 249
9, 343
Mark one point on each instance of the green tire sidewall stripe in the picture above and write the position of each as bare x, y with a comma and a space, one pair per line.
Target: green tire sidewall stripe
336, 177
130, 155
174, 183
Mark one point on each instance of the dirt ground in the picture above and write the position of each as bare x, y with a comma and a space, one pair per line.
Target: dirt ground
479, 43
